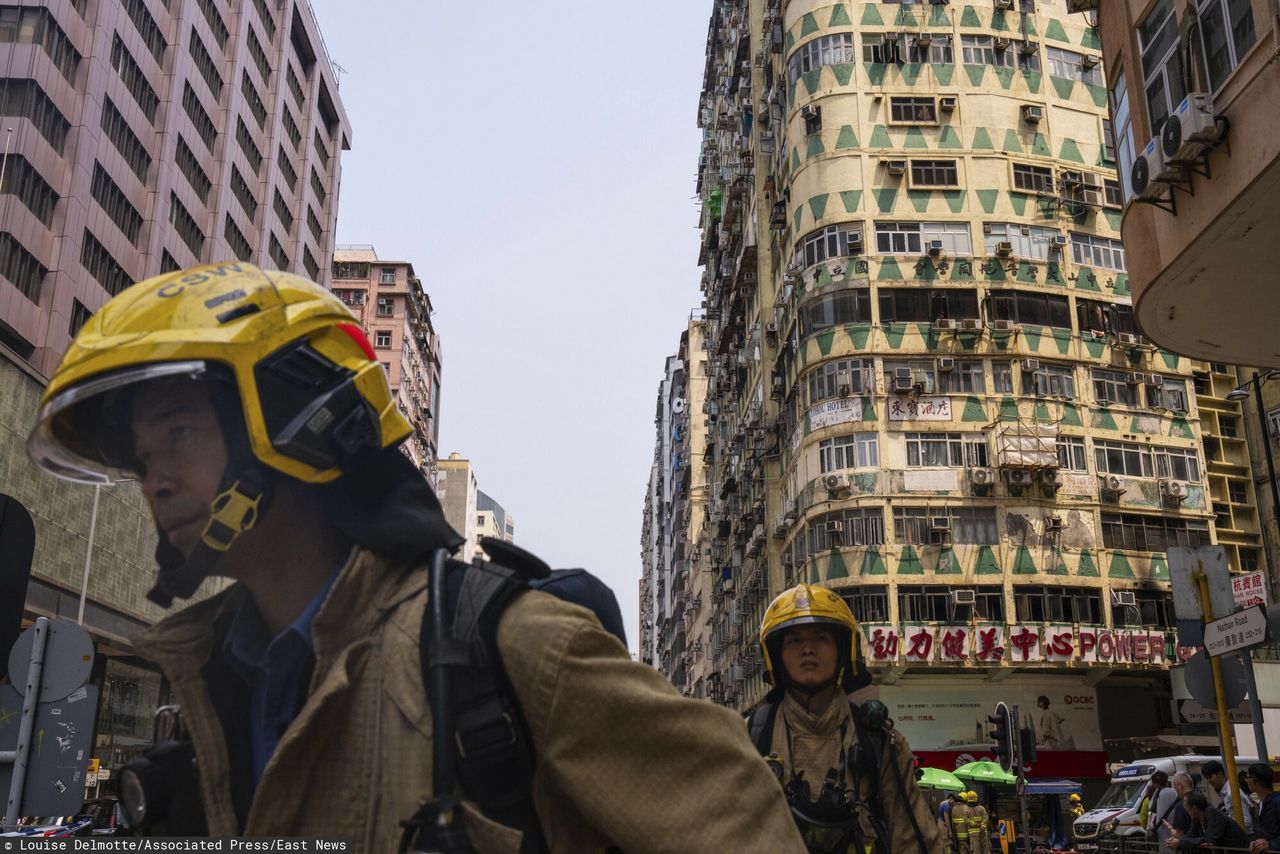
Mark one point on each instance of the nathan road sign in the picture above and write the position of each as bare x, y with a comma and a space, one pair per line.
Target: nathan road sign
1240, 630
1194, 713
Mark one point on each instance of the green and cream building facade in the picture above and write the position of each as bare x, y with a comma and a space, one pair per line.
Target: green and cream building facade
926, 389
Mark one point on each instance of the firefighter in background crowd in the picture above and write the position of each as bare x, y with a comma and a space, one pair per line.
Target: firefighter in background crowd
979, 826
1077, 808
961, 814
847, 773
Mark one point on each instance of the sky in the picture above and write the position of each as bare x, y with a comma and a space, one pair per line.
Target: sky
535, 162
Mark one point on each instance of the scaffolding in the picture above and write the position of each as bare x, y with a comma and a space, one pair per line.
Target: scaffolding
1025, 445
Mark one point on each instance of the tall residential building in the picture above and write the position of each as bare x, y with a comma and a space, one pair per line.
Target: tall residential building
143, 137
493, 520
459, 495
926, 388
1195, 91
395, 312
663, 572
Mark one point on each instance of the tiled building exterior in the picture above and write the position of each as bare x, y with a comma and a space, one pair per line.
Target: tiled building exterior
925, 387
151, 136
394, 310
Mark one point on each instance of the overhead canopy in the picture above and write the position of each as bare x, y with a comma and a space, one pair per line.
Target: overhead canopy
939, 778
985, 772
1054, 787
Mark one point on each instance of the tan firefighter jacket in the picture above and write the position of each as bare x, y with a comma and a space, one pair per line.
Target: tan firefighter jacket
814, 747
623, 760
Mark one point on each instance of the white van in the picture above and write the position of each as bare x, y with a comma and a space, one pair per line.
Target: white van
1123, 798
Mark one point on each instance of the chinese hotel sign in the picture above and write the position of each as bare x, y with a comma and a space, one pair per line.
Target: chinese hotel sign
1015, 644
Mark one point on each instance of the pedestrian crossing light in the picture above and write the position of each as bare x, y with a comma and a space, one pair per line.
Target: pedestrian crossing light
1001, 735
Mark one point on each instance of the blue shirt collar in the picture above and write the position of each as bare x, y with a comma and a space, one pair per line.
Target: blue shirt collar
247, 640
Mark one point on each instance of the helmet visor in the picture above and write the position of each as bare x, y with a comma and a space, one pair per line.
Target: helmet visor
77, 438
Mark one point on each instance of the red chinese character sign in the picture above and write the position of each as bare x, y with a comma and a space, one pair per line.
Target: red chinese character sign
1016, 644
920, 643
919, 408
1248, 590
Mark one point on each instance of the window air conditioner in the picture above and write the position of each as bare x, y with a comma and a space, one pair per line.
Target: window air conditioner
1028, 48
1127, 339
1053, 523
1150, 176
1189, 129
1110, 483
939, 523
946, 364
971, 324
1052, 479
981, 476
1032, 113
1123, 598
1019, 477
836, 482
1030, 366
944, 323
1003, 4
1137, 378
946, 103
1001, 326
1004, 248
1089, 61
964, 596
1060, 242
935, 247
895, 168
922, 39
1173, 491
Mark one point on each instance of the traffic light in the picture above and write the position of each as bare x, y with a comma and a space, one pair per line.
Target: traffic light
1026, 745
1001, 735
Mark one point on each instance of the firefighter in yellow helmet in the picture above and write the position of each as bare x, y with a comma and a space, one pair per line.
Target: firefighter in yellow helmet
979, 825
1077, 808
849, 776
261, 429
962, 824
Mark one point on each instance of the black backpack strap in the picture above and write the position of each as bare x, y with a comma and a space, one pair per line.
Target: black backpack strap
760, 727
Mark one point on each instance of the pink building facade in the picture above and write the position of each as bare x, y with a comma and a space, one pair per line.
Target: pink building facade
395, 312
144, 136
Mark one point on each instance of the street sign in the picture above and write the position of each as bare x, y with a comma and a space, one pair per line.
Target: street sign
61, 742
1194, 713
1236, 631
1249, 589
68, 658
1183, 563
1200, 680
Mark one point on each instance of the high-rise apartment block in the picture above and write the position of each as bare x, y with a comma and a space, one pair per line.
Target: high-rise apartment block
395, 312
925, 386
459, 495
143, 136
493, 520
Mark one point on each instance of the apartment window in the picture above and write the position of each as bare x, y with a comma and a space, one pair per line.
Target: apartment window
1050, 380
937, 51
1111, 193
133, 78
1123, 133
974, 525
1075, 66
1172, 394
964, 377
99, 263
382, 339
350, 298
185, 224
1227, 426
125, 140
1027, 241
25, 99
1032, 179
350, 270
216, 24
919, 305
1071, 455
277, 253
1089, 250
250, 93
1058, 604
236, 240
80, 315
152, 36
282, 211
309, 264
386, 306
115, 203
1114, 387
914, 238
1123, 458
242, 193
983, 50
317, 187
869, 604
322, 150
840, 378
199, 116
913, 111
313, 224
836, 309
1151, 608
295, 87
1178, 464
22, 180
387, 276
1249, 560
286, 170
21, 268
834, 241
855, 451
1159, 45
880, 48
846, 528
947, 449
1002, 377
291, 128
206, 65
189, 166
259, 55
935, 604
251, 151
1108, 141
923, 374
264, 14
1142, 533
1273, 422
934, 173
168, 264
827, 50
1226, 31
1030, 307
35, 25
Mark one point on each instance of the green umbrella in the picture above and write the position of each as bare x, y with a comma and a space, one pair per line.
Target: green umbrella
937, 778
985, 772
